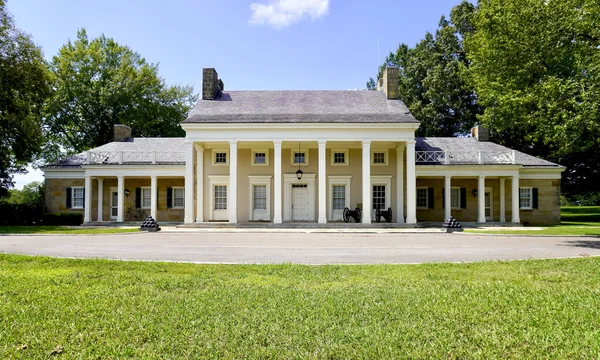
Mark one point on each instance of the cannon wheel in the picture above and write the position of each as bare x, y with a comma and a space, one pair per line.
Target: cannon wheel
377, 215
346, 215
358, 215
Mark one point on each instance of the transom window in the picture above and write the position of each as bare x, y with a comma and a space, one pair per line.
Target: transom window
146, 197
220, 197
260, 197
422, 198
455, 197
525, 198
78, 196
221, 158
339, 197
378, 197
178, 197
378, 158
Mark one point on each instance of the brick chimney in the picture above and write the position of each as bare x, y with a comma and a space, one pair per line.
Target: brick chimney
480, 133
212, 86
122, 133
389, 82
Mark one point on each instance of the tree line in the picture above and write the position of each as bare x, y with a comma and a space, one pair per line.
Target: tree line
529, 70
52, 109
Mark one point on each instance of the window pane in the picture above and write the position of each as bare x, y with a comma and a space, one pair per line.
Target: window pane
299, 158
146, 201
455, 198
178, 197
221, 158
339, 158
339, 197
260, 197
525, 198
379, 158
220, 197
378, 197
422, 198
260, 158
78, 197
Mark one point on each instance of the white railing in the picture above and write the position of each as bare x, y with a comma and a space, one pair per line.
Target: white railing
134, 157
465, 157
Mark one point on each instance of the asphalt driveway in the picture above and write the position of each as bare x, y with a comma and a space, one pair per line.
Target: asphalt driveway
301, 248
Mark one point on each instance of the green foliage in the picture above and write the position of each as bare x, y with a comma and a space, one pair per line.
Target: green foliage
64, 230
119, 309
431, 82
371, 84
99, 83
32, 194
23, 89
536, 69
58, 219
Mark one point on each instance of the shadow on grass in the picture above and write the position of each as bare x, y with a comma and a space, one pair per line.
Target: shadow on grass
589, 244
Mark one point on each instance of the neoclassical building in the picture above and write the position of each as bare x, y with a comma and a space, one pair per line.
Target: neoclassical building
304, 156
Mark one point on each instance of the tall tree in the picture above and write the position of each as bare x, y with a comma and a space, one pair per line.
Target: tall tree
431, 83
536, 69
24, 86
99, 83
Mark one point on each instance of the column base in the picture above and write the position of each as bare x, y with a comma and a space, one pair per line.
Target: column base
411, 221
322, 221
188, 220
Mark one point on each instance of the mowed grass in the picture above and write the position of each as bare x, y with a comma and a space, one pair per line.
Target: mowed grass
109, 309
67, 230
575, 221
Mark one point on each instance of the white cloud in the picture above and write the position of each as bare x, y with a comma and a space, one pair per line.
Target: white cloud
282, 13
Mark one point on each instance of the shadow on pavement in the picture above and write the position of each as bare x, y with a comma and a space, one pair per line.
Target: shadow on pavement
590, 244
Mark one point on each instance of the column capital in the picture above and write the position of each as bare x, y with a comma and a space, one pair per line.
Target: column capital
322, 142
233, 143
153, 176
199, 147
400, 148
410, 142
366, 143
120, 176
277, 143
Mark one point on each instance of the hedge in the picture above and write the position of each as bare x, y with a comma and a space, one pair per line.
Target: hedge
62, 219
20, 214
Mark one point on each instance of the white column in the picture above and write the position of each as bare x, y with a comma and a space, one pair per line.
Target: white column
411, 184
400, 185
366, 182
100, 198
277, 188
322, 182
481, 199
199, 183
189, 183
120, 199
502, 200
153, 197
447, 199
516, 218
232, 196
87, 207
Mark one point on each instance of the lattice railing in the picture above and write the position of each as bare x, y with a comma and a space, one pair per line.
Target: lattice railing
465, 157
134, 157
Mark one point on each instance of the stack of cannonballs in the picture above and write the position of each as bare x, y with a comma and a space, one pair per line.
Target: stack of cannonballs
452, 225
150, 225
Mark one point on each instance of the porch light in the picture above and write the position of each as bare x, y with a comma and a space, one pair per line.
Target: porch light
299, 173
474, 192
126, 192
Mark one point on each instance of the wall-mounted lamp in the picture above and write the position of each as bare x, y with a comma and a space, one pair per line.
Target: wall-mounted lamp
126, 192
299, 173
474, 192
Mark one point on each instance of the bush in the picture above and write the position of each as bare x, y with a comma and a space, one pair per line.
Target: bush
20, 214
587, 199
62, 219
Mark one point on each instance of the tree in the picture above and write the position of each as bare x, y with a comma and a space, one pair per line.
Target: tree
371, 84
99, 83
536, 69
24, 87
32, 194
431, 81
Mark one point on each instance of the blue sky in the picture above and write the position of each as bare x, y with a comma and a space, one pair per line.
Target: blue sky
254, 44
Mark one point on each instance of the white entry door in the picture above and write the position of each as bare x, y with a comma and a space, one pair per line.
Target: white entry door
299, 202
114, 203
488, 205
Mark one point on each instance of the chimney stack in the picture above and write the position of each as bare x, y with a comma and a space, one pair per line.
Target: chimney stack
389, 82
212, 86
122, 133
480, 133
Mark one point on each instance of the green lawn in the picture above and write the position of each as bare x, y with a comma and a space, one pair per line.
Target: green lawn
71, 230
112, 309
575, 220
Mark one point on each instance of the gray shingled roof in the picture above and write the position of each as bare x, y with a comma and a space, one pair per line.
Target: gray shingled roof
473, 145
313, 106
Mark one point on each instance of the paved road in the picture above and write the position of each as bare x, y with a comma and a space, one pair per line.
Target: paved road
301, 248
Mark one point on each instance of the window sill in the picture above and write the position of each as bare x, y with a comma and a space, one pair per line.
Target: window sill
77, 207
526, 209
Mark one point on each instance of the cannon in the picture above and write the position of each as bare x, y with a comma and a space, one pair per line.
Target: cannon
387, 215
355, 214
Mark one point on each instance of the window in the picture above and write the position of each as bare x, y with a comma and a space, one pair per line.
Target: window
455, 197
178, 198
260, 197
422, 197
379, 157
220, 197
220, 157
339, 197
378, 197
299, 158
78, 197
146, 197
339, 157
525, 198
260, 157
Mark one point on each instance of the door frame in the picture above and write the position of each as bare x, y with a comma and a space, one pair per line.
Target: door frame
288, 180
385, 180
304, 189
491, 191
111, 190
337, 180
218, 215
264, 215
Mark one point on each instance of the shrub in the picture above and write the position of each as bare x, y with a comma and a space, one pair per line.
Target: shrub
62, 219
20, 214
